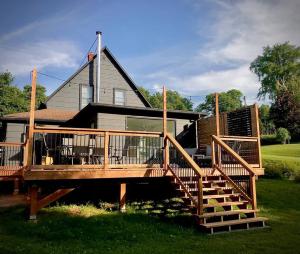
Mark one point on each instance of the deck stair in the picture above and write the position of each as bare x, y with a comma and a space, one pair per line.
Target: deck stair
225, 209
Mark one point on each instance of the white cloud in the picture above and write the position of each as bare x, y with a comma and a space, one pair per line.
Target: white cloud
42, 54
240, 31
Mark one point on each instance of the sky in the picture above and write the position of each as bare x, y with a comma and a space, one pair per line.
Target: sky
193, 46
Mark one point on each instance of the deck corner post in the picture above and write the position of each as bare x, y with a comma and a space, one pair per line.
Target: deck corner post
29, 150
33, 193
122, 201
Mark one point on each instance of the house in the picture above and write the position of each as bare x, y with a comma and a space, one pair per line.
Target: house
121, 107
98, 126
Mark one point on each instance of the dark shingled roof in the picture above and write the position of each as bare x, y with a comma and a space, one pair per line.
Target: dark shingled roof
43, 115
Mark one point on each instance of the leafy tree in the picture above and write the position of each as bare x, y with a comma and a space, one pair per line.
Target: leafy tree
174, 100
12, 100
285, 112
283, 135
40, 95
276, 68
228, 101
266, 124
6, 78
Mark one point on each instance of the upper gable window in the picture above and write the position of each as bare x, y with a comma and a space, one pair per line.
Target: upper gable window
119, 97
86, 95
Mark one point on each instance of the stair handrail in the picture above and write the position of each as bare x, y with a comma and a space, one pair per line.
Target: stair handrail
246, 166
185, 155
235, 155
196, 169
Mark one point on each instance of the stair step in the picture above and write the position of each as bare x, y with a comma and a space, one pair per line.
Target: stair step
233, 222
221, 196
217, 188
215, 181
225, 204
225, 213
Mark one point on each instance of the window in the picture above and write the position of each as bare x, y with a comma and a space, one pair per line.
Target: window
86, 95
119, 97
148, 124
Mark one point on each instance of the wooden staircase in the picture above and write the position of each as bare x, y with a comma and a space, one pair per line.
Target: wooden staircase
225, 209
220, 202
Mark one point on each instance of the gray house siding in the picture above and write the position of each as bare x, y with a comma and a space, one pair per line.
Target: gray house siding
111, 121
68, 96
112, 79
14, 132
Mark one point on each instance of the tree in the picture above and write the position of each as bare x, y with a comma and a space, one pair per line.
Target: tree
276, 68
40, 95
12, 100
174, 100
285, 112
266, 124
6, 78
228, 101
283, 135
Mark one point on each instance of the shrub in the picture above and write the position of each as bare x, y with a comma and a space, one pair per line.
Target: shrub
269, 140
283, 135
279, 169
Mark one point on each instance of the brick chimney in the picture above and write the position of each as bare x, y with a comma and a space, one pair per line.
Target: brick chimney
90, 56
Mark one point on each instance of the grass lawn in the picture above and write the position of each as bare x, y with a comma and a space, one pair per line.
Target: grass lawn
281, 157
289, 151
85, 229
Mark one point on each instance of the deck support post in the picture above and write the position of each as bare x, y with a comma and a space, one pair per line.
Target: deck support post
16, 186
33, 193
122, 201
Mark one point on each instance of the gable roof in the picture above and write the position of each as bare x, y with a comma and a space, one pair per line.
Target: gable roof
119, 68
43, 115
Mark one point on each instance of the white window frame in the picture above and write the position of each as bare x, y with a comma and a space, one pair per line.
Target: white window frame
116, 90
88, 98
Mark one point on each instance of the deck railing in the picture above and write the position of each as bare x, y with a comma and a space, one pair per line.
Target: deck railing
234, 168
246, 147
11, 158
68, 148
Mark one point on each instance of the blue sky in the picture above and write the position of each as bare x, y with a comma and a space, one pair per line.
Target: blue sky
193, 46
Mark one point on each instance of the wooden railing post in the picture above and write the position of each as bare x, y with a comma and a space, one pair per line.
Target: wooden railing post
165, 130
217, 114
258, 135
213, 152
200, 196
106, 149
31, 120
253, 191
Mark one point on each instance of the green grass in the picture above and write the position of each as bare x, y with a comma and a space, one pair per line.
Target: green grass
281, 159
291, 151
85, 229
